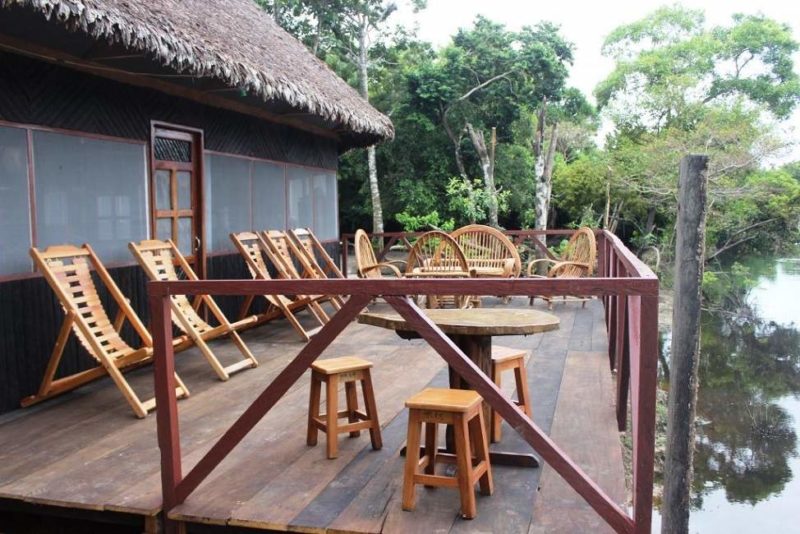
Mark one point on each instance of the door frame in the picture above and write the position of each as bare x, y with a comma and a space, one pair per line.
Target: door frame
198, 150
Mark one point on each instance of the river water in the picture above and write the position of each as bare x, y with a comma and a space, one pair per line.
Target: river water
747, 460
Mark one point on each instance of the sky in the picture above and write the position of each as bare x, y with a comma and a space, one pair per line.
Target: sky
587, 24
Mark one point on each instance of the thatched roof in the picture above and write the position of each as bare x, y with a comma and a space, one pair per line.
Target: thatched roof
233, 41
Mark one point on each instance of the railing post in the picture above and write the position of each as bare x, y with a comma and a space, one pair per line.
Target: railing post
644, 406
166, 403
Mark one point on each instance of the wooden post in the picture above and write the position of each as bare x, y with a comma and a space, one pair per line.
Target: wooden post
689, 254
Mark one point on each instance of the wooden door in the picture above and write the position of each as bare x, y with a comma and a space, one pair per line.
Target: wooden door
177, 190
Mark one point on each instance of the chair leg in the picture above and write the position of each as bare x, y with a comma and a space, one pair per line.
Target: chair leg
497, 421
430, 448
313, 409
412, 461
237, 340
464, 469
371, 410
486, 482
352, 405
332, 416
523, 393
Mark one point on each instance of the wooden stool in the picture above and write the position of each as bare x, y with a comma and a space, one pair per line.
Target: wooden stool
505, 359
461, 408
348, 369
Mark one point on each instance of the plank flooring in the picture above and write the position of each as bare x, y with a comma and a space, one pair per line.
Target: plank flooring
86, 451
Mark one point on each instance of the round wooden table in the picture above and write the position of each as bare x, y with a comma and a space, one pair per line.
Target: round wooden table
472, 331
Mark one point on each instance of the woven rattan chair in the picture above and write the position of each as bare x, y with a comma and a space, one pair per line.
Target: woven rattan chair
577, 261
251, 247
159, 260
488, 251
286, 257
67, 269
367, 264
437, 255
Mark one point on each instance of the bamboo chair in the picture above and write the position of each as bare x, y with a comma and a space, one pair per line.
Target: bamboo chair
67, 269
308, 244
437, 255
283, 253
367, 265
577, 261
159, 259
251, 248
488, 251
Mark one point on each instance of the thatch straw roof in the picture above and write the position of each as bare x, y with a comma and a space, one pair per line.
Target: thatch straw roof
233, 41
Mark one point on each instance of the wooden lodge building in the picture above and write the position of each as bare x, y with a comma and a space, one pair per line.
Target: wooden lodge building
127, 120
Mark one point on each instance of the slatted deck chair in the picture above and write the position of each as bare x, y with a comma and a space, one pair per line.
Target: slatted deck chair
251, 248
437, 255
159, 260
67, 269
283, 253
577, 261
488, 251
308, 244
367, 265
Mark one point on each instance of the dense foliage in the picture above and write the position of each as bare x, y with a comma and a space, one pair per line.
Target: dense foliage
678, 87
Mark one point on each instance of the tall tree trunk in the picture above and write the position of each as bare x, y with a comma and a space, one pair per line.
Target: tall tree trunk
487, 169
456, 140
363, 85
544, 175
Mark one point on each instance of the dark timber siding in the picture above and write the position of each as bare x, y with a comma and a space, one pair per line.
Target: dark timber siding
38, 93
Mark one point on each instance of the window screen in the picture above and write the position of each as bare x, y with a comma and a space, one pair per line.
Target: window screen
90, 191
301, 203
15, 228
227, 184
269, 197
325, 206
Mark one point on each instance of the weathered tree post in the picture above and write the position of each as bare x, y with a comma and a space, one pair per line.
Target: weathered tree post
689, 256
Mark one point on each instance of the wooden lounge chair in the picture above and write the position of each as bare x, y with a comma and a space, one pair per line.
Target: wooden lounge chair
308, 244
67, 269
159, 259
283, 253
367, 264
577, 261
251, 247
437, 255
488, 251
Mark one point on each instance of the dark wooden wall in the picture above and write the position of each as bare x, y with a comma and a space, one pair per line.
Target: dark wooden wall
33, 92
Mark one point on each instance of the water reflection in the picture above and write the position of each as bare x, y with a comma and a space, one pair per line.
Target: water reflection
747, 436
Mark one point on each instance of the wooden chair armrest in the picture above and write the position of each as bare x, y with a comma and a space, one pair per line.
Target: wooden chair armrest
561, 264
541, 260
380, 266
508, 268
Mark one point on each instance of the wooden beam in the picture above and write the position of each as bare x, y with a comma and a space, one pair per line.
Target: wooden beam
149, 81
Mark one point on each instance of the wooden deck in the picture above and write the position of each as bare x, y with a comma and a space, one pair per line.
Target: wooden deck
86, 451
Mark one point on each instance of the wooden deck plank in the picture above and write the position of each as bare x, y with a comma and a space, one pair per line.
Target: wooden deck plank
583, 426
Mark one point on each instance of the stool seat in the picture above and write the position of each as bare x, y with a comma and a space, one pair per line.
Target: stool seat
345, 364
445, 400
503, 354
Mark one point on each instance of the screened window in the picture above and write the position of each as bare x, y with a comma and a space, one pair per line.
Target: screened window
90, 191
301, 202
15, 228
325, 206
228, 205
269, 196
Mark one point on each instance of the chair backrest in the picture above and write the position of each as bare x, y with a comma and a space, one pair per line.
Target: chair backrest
487, 247
67, 269
436, 253
159, 259
309, 244
283, 253
581, 248
365, 256
249, 246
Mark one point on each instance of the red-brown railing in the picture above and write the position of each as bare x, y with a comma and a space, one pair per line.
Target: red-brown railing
629, 291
